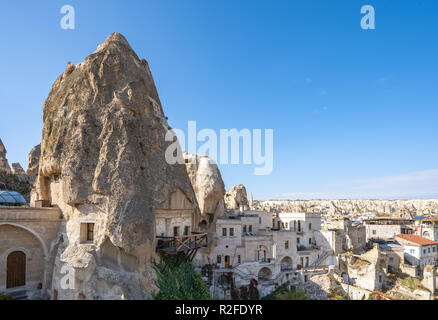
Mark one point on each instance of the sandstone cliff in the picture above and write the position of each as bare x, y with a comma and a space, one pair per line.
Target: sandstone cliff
103, 163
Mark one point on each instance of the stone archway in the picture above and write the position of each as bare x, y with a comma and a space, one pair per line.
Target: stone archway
23, 259
265, 274
426, 234
262, 253
36, 235
286, 263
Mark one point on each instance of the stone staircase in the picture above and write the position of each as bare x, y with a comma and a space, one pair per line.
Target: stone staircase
18, 294
322, 258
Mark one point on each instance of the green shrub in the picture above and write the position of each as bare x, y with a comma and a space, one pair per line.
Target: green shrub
283, 292
180, 281
5, 297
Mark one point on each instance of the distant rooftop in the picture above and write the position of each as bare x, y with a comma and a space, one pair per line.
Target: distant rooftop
416, 239
11, 198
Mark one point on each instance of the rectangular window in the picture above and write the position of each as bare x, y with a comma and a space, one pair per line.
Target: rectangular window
175, 231
231, 232
224, 232
219, 259
260, 220
250, 228
310, 240
286, 244
238, 258
428, 250
244, 228
90, 231
434, 249
310, 227
374, 232
186, 230
298, 240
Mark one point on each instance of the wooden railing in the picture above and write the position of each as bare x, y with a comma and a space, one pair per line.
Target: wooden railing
182, 243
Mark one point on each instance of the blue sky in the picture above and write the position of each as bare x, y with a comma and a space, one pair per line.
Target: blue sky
354, 111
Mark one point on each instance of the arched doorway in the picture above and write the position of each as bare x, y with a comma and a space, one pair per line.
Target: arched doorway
16, 270
265, 274
262, 254
286, 263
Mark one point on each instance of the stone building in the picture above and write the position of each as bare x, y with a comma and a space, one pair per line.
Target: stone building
418, 251
426, 228
355, 236
367, 271
257, 245
387, 228
27, 250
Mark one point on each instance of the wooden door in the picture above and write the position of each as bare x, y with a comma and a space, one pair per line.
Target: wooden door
16, 270
227, 261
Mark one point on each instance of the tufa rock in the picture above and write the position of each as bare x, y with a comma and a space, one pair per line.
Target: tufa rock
33, 166
17, 169
208, 185
4, 165
236, 197
209, 189
103, 164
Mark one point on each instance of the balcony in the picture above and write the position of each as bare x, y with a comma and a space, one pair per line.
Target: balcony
312, 247
177, 244
287, 267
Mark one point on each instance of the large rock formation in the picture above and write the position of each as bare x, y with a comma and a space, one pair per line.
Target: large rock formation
209, 189
34, 161
17, 169
4, 165
236, 197
208, 186
103, 163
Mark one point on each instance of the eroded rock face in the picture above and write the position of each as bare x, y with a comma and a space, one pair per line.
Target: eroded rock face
236, 197
208, 185
103, 163
17, 169
4, 165
209, 189
33, 166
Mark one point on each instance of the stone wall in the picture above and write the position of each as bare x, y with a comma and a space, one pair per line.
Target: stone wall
32, 231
